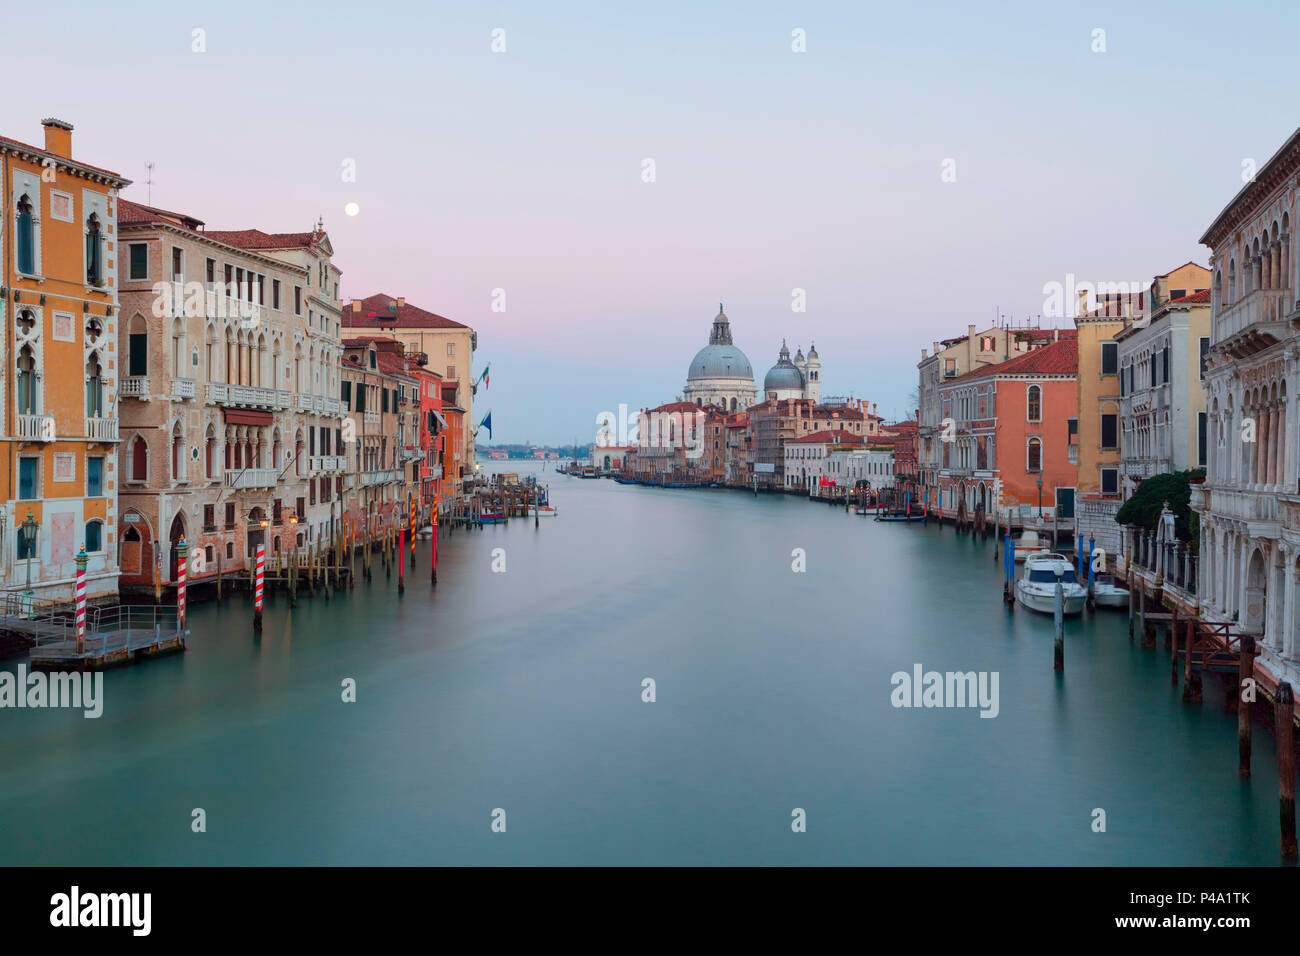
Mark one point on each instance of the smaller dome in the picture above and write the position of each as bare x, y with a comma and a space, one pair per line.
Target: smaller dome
812, 352
783, 375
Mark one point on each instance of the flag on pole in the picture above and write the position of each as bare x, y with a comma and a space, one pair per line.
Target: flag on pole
486, 382
487, 423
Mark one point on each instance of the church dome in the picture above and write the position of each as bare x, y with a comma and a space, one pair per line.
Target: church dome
783, 375
720, 361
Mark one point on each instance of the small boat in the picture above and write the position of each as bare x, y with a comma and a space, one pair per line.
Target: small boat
589, 473
488, 519
1107, 592
898, 517
545, 511
1027, 544
1036, 590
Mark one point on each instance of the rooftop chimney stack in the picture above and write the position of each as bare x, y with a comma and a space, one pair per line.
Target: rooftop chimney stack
58, 137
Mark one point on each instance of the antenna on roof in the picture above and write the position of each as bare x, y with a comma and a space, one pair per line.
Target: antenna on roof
149, 181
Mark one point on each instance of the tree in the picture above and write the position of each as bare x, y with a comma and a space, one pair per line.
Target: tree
1143, 509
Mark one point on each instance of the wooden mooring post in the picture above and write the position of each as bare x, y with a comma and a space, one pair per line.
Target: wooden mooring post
1245, 678
1191, 677
1058, 645
1284, 731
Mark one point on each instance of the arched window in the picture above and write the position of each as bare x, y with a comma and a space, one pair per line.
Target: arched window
27, 404
94, 252
139, 459
210, 458
1034, 404
178, 453
94, 536
138, 347
94, 387
1034, 455
26, 239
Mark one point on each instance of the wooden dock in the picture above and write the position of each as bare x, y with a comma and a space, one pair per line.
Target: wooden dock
114, 635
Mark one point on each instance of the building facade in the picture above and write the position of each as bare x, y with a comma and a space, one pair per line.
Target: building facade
449, 348
1249, 555
230, 417
1163, 425
1009, 455
60, 315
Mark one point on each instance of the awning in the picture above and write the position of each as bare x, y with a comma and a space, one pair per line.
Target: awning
437, 414
247, 416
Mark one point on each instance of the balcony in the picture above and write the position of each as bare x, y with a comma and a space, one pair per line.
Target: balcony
101, 429
381, 476
182, 388
246, 396
251, 478
134, 386
372, 416
306, 403
409, 454
328, 464
35, 427
1253, 323
333, 407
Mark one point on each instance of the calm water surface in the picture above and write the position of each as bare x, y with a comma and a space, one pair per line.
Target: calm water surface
522, 691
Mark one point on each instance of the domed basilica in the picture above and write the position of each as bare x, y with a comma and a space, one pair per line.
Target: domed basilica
721, 375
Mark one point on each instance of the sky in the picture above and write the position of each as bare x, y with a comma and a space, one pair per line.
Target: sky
915, 169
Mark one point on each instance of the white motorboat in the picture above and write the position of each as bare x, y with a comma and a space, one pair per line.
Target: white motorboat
542, 511
1036, 590
1107, 592
1027, 544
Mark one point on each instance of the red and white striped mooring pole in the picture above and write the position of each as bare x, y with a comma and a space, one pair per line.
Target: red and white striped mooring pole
257, 589
81, 600
182, 555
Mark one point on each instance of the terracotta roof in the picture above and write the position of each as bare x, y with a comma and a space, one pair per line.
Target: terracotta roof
1059, 358
257, 239
1193, 299
133, 212
18, 144
833, 436
678, 407
408, 316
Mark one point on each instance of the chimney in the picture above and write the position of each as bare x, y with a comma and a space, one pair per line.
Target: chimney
1056, 335
58, 137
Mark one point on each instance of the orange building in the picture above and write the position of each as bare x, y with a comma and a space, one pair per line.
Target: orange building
1008, 451
59, 313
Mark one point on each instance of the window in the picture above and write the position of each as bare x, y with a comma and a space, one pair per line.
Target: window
1205, 353
94, 252
275, 294
1200, 439
94, 536
1177, 293
230, 515
178, 265
345, 395
1034, 404
209, 517
1109, 357
1110, 481
27, 403
451, 371
211, 274
26, 228
297, 300
451, 349
1164, 364
94, 477
139, 254
384, 401
230, 280
1034, 455
1109, 430
29, 485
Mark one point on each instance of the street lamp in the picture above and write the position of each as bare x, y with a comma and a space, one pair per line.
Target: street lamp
1040, 498
29, 530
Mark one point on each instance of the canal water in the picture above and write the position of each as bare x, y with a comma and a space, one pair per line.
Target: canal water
521, 690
